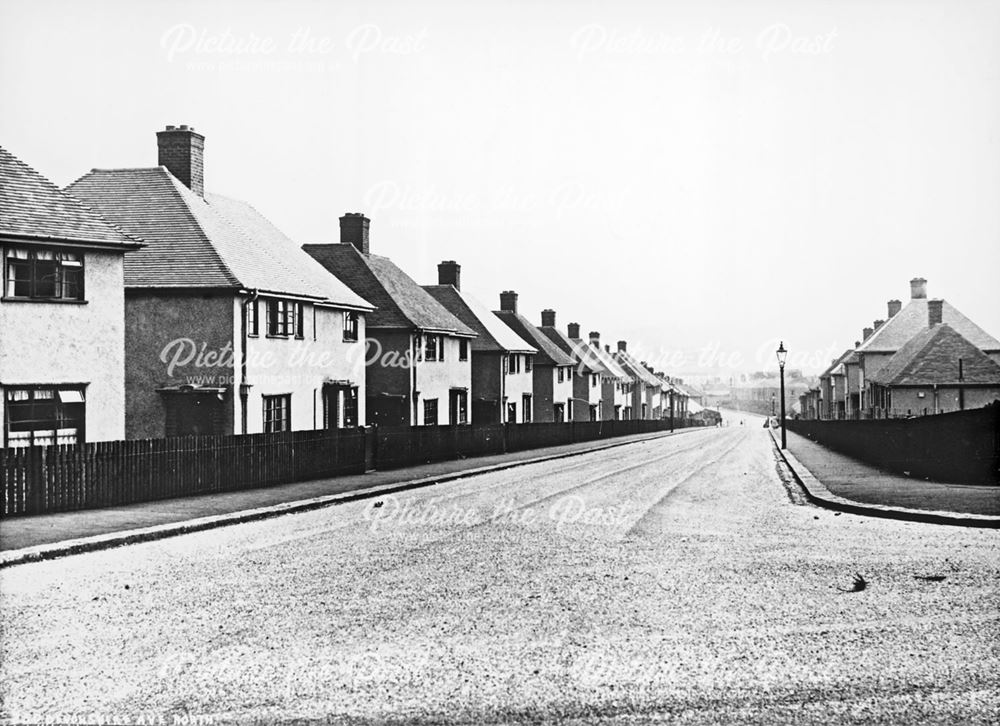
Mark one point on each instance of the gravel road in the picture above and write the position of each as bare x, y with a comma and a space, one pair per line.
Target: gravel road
678, 580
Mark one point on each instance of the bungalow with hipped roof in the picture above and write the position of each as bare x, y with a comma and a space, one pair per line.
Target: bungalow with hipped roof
419, 362
502, 378
229, 327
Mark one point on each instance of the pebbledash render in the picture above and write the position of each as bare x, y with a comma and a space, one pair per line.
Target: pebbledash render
229, 327
62, 340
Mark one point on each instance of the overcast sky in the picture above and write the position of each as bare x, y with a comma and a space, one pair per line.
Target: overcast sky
691, 177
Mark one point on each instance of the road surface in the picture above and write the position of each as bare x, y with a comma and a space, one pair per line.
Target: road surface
678, 579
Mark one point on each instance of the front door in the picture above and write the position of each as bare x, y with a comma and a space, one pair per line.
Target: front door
192, 414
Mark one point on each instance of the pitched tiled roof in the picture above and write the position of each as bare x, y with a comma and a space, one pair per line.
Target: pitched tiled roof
932, 356
548, 353
636, 369
607, 361
400, 301
494, 336
195, 242
33, 207
832, 370
912, 319
577, 350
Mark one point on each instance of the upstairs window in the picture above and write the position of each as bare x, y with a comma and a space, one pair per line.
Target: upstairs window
433, 347
40, 274
527, 364
253, 325
593, 381
463, 349
350, 327
299, 321
515, 363
284, 318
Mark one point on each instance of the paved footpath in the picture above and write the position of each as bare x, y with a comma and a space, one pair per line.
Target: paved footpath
21, 532
854, 480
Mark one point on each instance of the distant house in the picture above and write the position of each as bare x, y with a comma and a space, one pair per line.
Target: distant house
62, 314
419, 363
645, 386
586, 370
833, 389
938, 370
502, 378
229, 327
616, 384
552, 373
903, 324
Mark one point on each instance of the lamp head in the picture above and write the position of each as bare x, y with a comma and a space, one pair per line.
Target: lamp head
781, 353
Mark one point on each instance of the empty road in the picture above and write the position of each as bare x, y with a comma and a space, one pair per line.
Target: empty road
679, 579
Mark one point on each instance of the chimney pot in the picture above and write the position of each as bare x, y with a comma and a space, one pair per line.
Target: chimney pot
182, 152
622, 346
354, 227
508, 301
548, 318
918, 288
935, 311
894, 307
450, 273
573, 331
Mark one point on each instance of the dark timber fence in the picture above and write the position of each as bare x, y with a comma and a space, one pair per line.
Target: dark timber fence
104, 474
963, 446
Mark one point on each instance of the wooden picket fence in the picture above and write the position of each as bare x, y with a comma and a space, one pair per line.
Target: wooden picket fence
63, 478
112, 473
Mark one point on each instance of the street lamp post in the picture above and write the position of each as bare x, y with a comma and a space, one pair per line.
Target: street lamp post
781, 352
772, 404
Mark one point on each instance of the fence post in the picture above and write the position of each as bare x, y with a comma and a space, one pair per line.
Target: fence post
35, 480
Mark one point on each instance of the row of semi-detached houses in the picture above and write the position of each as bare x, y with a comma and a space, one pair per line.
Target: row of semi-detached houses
923, 358
136, 305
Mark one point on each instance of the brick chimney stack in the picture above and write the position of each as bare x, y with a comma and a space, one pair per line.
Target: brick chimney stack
573, 331
867, 333
622, 346
450, 273
894, 307
182, 151
508, 301
935, 311
548, 318
878, 324
595, 339
354, 231
918, 288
